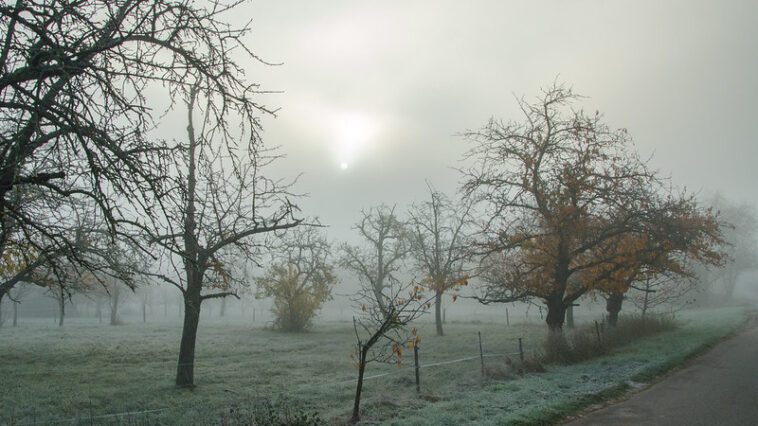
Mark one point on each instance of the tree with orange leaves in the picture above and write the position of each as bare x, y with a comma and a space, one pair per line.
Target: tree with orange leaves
675, 235
568, 204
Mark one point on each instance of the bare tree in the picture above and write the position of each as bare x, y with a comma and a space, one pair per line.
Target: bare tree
381, 330
300, 279
75, 115
438, 237
220, 211
741, 235
661, 290
385, 247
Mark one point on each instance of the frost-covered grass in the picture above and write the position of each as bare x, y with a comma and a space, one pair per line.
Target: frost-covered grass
85, 371
545, 398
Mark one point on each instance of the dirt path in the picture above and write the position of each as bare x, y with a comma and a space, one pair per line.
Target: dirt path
717, 388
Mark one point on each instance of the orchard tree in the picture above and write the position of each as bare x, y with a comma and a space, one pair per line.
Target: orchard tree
650, 293
675, 235
437, 230
741, 233
559, 189
380, 257
77, 84
381, 329
220, 211
300, 280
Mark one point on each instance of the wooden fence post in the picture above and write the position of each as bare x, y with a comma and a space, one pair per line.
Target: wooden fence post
481, 352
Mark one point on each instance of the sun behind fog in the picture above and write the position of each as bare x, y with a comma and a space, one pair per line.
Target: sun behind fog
354, 133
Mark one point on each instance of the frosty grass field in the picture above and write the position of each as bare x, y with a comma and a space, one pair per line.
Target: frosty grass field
89, 374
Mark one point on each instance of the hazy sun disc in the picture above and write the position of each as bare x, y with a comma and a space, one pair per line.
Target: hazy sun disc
354, 134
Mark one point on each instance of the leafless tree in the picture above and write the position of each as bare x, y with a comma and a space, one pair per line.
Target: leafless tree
75, 110
661, 290
220, 211
300, 278
381, 256
437, 231
741, 234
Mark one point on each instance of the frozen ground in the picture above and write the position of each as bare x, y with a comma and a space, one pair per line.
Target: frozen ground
85, 373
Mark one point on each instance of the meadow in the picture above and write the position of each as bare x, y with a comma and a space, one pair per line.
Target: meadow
86, 373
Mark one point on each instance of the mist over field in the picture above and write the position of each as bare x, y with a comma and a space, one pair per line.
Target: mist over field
339, 212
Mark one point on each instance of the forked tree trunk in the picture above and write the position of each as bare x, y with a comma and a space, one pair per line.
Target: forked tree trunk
613, 307
438, 312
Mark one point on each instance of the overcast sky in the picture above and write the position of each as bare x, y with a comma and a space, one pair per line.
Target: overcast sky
375, 92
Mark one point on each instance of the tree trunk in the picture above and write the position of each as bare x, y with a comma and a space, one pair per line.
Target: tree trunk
730, 283
15, 314
61, 309
570, 316
556, 345
223, 307
645, 302
613, 307
144, 311
361, 368
185, 369
115, 296
556, 314
99, 311
438, 312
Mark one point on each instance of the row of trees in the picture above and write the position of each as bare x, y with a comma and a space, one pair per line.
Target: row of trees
571, 209
89, 193
87, 189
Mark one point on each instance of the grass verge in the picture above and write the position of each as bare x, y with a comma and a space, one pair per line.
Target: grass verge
564, 390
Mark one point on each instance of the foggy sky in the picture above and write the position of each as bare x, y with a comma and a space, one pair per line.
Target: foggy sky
405, 77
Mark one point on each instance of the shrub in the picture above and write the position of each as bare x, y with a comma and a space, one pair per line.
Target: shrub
267, 413
584, 343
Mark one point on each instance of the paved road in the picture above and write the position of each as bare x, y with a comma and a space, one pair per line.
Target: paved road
717, 388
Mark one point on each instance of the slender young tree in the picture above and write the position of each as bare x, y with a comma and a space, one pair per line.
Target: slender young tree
439, 241
381, 329
380, 258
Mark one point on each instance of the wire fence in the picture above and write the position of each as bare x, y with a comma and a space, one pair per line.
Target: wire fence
406, 371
